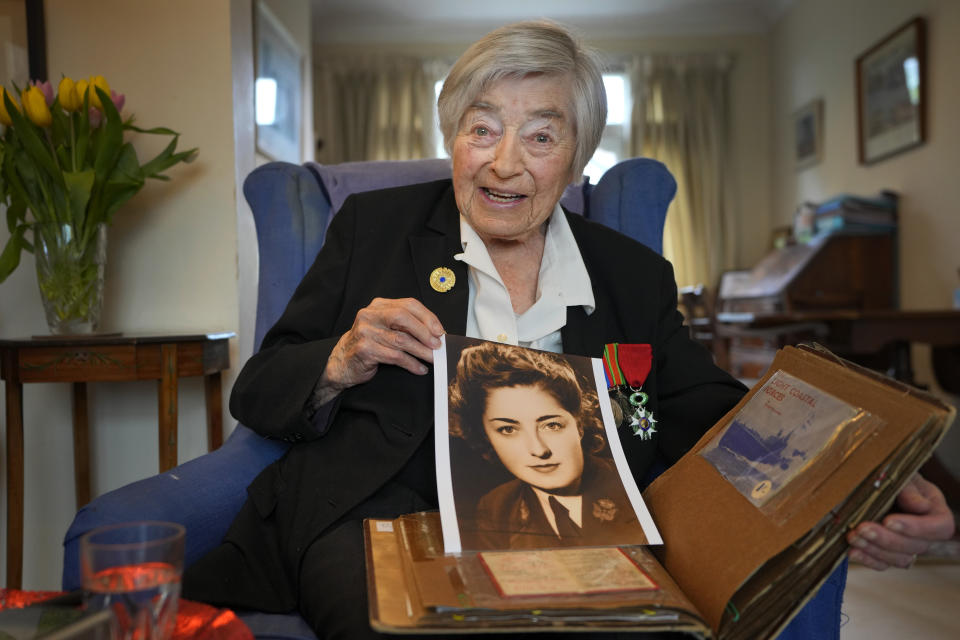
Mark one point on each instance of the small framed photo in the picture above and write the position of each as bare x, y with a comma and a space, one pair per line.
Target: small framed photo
278, 88
808, 134
891, 93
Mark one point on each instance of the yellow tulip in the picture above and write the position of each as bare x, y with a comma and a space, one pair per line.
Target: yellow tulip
101, 83
82, 90
70, 98
35, 105
4, 116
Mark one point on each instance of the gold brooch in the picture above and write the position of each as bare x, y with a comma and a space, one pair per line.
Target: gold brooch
442, 279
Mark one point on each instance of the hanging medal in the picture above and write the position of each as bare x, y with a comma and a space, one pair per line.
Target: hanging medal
642, 421
626, 367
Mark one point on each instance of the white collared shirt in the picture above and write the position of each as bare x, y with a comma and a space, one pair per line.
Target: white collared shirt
563, 281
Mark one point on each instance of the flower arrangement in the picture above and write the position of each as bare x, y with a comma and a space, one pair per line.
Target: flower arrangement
64, 162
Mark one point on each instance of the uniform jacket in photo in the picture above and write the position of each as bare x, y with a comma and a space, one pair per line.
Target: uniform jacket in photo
512, 517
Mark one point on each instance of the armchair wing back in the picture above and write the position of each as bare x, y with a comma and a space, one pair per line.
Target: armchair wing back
292, 206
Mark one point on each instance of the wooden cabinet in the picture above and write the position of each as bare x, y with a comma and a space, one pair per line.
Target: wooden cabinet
82, 359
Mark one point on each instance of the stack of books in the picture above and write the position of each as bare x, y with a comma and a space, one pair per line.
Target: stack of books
855, 214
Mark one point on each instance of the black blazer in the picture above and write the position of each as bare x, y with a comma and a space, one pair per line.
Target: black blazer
385, 244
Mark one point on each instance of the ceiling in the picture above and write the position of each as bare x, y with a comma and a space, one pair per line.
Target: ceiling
360, 21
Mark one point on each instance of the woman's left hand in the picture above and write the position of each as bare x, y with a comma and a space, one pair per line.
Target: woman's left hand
897, 540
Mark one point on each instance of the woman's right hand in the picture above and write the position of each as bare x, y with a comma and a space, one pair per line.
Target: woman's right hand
388, 331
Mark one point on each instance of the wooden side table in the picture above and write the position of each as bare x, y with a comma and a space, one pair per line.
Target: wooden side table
83, 359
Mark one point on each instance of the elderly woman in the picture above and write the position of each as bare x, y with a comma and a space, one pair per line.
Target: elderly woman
344, 372
530, 411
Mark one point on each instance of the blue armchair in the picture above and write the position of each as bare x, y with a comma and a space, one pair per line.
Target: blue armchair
292, 206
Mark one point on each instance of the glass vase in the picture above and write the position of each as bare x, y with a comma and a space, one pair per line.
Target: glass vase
70, 264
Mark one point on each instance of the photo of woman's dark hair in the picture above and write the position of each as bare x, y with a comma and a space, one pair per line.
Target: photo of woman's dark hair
491, 365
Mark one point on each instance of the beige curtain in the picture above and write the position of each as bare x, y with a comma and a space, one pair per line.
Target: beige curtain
680, 117
374, 108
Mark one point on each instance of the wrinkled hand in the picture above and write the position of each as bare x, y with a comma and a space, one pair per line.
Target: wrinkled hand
896, 541
399, 332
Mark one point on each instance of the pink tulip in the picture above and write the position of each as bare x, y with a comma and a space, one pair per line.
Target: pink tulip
118, 100
96, 116
47, 89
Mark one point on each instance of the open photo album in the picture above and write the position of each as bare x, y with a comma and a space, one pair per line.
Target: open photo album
542, 526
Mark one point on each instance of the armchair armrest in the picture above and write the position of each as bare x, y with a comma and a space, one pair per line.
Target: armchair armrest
203, 494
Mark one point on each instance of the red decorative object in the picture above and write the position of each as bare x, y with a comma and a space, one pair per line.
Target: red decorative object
16, 599
627, 363
195, 620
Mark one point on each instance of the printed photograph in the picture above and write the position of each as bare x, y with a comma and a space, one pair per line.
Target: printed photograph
530, 458
778, 434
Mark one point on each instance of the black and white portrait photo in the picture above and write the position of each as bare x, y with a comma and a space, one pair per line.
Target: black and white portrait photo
529, 455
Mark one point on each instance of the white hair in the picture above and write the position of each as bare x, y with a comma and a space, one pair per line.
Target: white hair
519, 50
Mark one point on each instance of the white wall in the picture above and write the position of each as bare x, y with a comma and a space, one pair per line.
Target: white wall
172, 257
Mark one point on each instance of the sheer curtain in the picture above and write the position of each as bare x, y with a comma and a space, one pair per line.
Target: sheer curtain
374, 108
680, 117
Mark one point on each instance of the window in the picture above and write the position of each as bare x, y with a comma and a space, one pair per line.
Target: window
615, 143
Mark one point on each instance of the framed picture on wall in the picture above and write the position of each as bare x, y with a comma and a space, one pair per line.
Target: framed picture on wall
891, 93
278, 88
808, 134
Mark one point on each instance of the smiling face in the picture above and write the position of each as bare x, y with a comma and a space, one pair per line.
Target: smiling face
536, 439
513, 156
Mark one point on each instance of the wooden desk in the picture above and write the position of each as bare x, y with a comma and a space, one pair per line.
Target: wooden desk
873, 337
83, 359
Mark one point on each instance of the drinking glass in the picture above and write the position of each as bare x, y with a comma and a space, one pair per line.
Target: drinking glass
134, 570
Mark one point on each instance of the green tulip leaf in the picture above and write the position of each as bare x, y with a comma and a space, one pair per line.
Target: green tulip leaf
10, 257
81, 123
60, 127
118, 196
66, 160
15, 214
155, 130
79, 186
166, 159
29, 182
110, 137
125, 181
13, 182
29, 137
